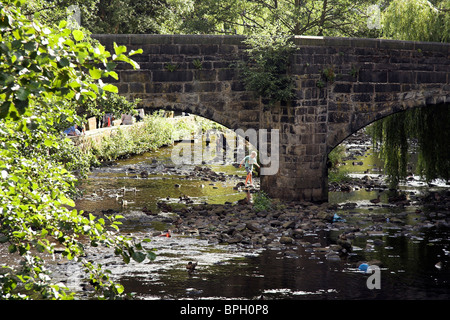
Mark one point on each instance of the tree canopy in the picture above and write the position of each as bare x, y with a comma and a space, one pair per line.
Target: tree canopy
418, 20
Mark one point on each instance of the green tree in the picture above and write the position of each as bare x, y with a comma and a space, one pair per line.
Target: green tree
417, 20
115, 16
44, 72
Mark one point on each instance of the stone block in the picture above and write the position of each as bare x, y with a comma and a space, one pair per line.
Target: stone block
401, 77
428, 77
134, 76
205, 75
387, 88
136, 87
169, 49
363, 88
342, 87
200, 87
312, 149
189, 49
228, 49
209, 49
309, 40
142, 39
227, 74
338, 117
174, 76
382, 97
161, 87
372, 76
362, 97
122, 87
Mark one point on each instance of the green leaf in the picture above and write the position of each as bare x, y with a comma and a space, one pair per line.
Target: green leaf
119, 49
48, 143
138, 256
3, 238
66, 201
110, 88
113, 74
151, 255
95, 73
62, 24
63, 62
78, 35
125, 257
110, 66
12, 248
120, 289
4, 109
22, 94
133, 52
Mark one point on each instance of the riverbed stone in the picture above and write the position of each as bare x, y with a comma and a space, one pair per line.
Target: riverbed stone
253, 227
298, 233
289, 225
286, 240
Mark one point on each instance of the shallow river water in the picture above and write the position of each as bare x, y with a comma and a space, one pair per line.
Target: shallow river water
414, 263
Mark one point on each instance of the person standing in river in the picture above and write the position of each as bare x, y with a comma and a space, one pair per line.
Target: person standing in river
249, 161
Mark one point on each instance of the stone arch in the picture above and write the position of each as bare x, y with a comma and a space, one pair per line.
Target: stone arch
357, 123
207, 112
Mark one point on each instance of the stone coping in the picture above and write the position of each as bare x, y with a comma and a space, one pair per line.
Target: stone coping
140, 39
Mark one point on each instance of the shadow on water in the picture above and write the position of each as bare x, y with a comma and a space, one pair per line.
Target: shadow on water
414, 262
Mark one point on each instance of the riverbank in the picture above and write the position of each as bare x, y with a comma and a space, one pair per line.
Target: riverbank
104, 145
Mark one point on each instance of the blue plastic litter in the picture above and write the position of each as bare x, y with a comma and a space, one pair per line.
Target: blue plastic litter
363, 267
337, 218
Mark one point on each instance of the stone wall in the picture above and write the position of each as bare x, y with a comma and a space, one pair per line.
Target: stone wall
343, 84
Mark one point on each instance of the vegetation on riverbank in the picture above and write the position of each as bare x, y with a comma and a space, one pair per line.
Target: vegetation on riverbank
335, 172
155, 131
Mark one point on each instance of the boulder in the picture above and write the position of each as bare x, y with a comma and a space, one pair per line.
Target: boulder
297, 233
289, 225
327, 216
252, 226
286, 240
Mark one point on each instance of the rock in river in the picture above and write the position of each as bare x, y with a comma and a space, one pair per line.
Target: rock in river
286, 240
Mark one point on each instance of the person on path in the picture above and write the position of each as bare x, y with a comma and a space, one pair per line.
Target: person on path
249, 161
73, 130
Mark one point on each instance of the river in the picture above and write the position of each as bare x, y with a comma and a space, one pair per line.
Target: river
408, 243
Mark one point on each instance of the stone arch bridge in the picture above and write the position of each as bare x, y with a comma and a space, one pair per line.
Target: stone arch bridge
368, 79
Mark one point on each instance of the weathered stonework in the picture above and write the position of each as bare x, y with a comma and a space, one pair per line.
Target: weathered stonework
343, 84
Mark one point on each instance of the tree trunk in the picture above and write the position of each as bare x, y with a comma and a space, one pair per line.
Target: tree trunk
322, 18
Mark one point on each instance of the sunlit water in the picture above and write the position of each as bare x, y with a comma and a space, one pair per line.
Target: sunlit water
414, 263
